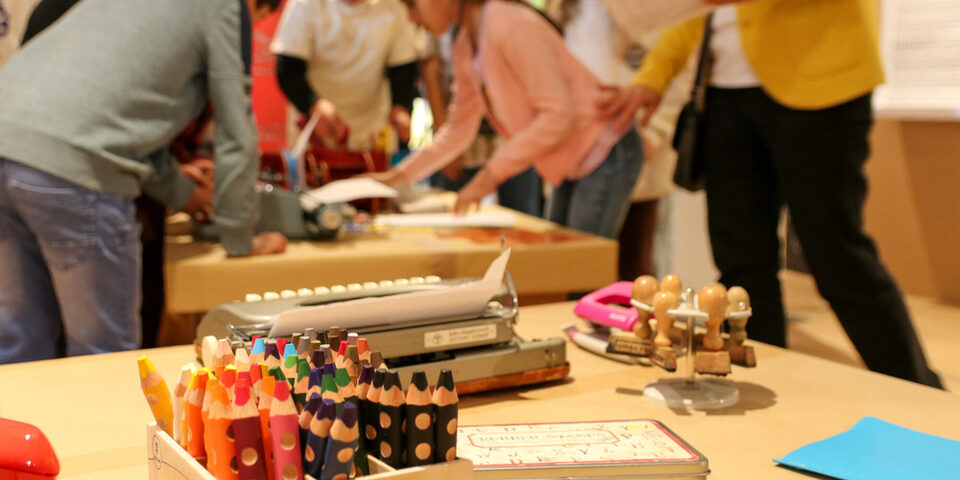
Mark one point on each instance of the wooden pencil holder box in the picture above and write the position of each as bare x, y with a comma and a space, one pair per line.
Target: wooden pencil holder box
167, 461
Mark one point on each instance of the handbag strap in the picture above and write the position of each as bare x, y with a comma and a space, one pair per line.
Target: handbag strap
699, 93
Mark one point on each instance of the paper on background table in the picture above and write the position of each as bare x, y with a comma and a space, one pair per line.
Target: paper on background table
350, 189
639, 17
877, 450
479, 219
444, 302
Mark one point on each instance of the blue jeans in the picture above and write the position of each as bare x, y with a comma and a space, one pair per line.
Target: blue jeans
598, 203
70, 259
520, 193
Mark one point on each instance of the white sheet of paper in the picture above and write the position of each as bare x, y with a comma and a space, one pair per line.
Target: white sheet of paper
351, 189
444, 302
639, 17
479, 219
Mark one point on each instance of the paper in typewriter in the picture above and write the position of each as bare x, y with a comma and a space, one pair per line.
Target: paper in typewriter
575, 450
469, 298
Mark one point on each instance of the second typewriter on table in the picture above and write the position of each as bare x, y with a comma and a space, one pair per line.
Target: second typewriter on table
481, 348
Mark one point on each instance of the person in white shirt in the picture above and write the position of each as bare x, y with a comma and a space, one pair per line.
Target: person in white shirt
354, 62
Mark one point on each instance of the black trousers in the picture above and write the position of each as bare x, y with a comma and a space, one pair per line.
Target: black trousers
761, 155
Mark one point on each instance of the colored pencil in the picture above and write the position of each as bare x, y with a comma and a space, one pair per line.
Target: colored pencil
192, 413
286, 437
372, 434
303, 381
368, 410
252, 462
446, 402
303, 347
341, 446
316, 447
352, 362
419, 414
363, 350
228, 379
349, 393
179, 399
303, 421
242, 360
391, 420
258, 351
223, 455
223, 357
157, 394
263, 408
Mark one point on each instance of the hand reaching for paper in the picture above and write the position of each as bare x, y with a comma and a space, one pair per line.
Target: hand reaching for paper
330, 126
473, 192
622, 104
268, 243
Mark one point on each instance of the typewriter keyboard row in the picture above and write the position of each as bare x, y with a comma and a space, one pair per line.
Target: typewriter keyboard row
353, 287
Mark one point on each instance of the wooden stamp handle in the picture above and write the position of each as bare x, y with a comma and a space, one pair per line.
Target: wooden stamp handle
662, 302
713, 301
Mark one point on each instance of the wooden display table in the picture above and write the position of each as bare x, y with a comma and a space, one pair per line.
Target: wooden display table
92, 409
547, 260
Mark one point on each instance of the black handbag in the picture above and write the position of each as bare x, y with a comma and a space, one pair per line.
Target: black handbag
688, 136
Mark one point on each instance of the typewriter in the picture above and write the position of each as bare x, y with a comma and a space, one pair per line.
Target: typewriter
481, 347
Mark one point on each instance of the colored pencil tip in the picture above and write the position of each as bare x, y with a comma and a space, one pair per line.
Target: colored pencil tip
271, 351
342, 377
446, 380
391, 379
289, 349
242, 392
145, 366
316, 378
349, 414
343, 347
329, 384
269, 384
313, 405
317, 358
255, 372
258, 346
329, 369
362, 345
281, 391
328, 409
366, 374
223, 347
378, 376
419, 380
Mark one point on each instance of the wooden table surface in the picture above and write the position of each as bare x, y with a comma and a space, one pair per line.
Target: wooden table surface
92, 409
547, 259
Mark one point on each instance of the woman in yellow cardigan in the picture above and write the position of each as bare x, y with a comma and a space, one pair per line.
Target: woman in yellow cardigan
787, 121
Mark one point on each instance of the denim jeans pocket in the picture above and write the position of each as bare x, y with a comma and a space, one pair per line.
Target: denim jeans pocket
61, 215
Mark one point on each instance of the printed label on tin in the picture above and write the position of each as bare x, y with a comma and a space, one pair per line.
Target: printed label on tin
457, 336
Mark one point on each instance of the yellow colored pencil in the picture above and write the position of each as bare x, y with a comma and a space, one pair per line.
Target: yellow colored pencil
157, 394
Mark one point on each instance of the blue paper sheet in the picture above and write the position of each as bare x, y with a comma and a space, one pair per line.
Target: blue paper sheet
878, 450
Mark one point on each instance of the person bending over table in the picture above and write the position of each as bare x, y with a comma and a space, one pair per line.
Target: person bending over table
511, 65
353, 61
787, 121
87, 111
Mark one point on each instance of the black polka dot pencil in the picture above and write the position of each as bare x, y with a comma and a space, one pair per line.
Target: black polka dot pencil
341, 446
419, 416
371, 412
391, 420
368, 419
447, 403
251, 460
349, 393
316, 447
306, 416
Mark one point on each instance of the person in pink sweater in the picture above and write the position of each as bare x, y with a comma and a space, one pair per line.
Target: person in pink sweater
512, 65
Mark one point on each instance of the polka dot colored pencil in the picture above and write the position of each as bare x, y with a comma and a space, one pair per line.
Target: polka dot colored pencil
341, 446
263, 408
306, 416
447, 403
157, 394
286, 435
192, 413
223, 456
179, 399
368, 410
257, 351
251, 461
419, 414
391, 420
316, 447
303, 381
349, 393
371, 433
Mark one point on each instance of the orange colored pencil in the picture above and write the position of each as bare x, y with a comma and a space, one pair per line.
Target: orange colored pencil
192, 413
224, 453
